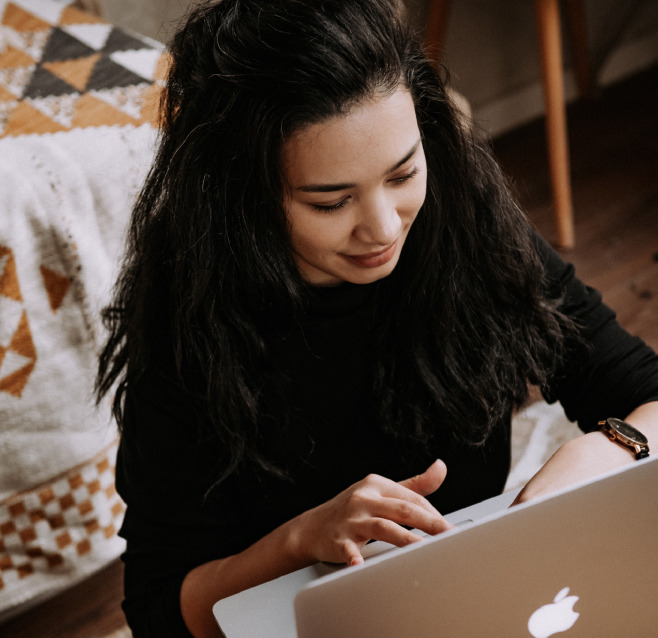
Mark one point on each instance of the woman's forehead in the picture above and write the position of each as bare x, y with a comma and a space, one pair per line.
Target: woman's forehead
376, 132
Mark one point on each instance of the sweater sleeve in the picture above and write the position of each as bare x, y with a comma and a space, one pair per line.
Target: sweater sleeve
611, 372
169, 526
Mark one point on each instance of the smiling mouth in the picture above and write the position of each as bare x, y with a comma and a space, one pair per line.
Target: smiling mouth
373, 260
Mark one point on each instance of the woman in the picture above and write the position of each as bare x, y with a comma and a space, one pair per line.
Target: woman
328, 287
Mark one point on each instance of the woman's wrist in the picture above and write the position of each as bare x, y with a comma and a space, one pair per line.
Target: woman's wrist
290, 541
274, 555
644, 419
596, 447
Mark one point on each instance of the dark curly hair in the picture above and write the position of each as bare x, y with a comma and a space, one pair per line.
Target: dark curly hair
466, 322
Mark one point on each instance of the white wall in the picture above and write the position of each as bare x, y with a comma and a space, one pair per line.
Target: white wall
491, 47
492, 55
154, 18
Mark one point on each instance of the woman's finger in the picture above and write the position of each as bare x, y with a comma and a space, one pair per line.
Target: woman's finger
404, 512
429, 481
382, 529
405, 502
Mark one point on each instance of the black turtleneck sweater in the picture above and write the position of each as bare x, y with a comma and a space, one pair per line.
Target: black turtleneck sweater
163, 471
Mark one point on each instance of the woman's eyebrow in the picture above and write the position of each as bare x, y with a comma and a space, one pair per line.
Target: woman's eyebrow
406, 158
330, 188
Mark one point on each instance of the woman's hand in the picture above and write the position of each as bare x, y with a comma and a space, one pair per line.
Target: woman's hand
375, 508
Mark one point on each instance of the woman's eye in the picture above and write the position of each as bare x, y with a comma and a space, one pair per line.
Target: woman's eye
329, 208
406, 178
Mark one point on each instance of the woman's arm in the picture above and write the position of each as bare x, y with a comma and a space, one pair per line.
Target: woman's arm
590, 455
612, 374
375, 508
188, 548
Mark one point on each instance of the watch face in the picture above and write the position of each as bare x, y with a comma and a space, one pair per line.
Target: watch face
628, 431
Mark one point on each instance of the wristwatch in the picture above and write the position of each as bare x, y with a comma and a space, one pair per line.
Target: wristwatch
627, 435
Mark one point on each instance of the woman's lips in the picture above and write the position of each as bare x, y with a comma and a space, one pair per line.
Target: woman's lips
372, 260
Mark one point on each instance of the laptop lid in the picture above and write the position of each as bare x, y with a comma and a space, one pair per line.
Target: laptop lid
583, 561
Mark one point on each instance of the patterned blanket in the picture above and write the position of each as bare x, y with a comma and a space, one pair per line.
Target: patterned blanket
77, 102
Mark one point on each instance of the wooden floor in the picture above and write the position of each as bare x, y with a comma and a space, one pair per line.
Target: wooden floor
88, 610
614, 162
614, 155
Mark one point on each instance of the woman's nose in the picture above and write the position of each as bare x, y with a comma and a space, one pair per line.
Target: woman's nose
379, 222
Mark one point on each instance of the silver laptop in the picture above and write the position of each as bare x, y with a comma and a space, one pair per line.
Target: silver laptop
583, 561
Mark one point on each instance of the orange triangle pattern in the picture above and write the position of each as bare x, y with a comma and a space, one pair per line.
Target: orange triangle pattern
74, 72
6, 96
15, 383
26, 119
21, 20
91, 111
56, 286
151, 105
162, 67
32, 74
8, 279
21, 342
58, 108
12, 58
71, 16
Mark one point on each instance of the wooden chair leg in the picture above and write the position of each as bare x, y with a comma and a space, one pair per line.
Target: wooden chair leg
548, 23
438, 14
577, 24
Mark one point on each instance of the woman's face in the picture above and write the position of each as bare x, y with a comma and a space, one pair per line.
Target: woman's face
355, 184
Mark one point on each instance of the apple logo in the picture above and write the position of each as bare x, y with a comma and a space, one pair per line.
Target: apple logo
555, 617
